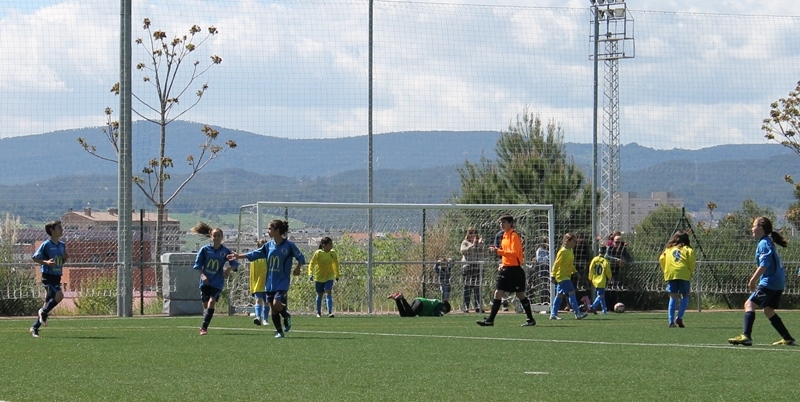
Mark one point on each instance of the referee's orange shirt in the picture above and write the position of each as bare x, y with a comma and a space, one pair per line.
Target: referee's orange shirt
510, 249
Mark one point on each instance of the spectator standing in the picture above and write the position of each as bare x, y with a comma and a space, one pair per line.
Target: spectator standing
471, 255
443, 269
617, 254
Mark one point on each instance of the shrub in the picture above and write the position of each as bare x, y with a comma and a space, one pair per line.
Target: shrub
98, 297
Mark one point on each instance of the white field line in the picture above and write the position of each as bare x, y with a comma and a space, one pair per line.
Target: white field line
484, 338
789, 349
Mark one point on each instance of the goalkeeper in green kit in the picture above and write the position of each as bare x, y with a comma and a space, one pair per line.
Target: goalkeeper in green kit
420, 306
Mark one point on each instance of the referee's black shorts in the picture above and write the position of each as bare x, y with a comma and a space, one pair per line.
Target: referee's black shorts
511, 279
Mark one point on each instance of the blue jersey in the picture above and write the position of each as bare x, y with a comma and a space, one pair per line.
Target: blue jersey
212, 263
774, 277
279, 263
55, 251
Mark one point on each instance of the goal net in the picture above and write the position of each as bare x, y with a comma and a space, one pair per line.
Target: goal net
387, 248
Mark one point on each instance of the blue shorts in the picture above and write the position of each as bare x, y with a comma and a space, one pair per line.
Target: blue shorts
52, 284
280, 296
565, 287
601, 292
324, 286
681, 286
260, 295
209, 292
764, 297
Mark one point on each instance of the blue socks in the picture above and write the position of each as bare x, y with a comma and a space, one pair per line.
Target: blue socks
573, 301
684, 306
777, 323
599, 301
671, 311
749, 319
328, 303
556, 306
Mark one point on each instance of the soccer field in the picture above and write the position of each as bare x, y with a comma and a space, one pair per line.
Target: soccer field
631, 357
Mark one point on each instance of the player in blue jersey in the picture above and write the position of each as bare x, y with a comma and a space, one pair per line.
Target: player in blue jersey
51, 256
210, 262
279, 253
767, 284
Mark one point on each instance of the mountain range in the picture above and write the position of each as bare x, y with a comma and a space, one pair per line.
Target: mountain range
414, 167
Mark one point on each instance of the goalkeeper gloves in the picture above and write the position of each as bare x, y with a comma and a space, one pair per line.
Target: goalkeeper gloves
311, 278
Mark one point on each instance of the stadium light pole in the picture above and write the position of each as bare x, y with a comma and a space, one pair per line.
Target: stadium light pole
370, 179
124, 166
618, 42
595, 43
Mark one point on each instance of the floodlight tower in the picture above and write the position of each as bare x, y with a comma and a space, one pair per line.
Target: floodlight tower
612, 27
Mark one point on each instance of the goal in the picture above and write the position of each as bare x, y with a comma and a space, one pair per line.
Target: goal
385, 248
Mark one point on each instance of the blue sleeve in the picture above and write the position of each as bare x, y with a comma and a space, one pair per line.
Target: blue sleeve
40, 252
200, 260
257, 254
233, 263
298, 255
764, 256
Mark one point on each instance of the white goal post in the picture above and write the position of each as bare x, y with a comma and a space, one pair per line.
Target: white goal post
387, 247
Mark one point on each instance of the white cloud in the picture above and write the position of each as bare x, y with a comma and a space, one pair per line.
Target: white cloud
300, 69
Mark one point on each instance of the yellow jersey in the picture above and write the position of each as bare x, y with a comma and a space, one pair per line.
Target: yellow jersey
324, 266
564, 266
600, 272
677, 263
258, 275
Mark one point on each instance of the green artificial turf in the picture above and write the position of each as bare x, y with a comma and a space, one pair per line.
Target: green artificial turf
621, 357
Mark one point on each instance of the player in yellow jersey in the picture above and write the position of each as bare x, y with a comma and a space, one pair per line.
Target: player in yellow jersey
258, 282
563, 268
677, 262
600, 275
323, 270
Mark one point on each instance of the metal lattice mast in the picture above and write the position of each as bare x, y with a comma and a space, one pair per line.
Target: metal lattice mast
613, 27
610, 164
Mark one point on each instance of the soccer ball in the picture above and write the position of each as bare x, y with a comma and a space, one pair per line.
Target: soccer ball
619, 308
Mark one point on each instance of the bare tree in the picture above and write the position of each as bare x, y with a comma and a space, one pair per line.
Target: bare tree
783, 123
165, 59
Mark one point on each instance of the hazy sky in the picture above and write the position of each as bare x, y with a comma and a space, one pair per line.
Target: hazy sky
704, 72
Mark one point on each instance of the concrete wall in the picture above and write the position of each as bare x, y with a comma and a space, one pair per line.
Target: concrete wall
181, 285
